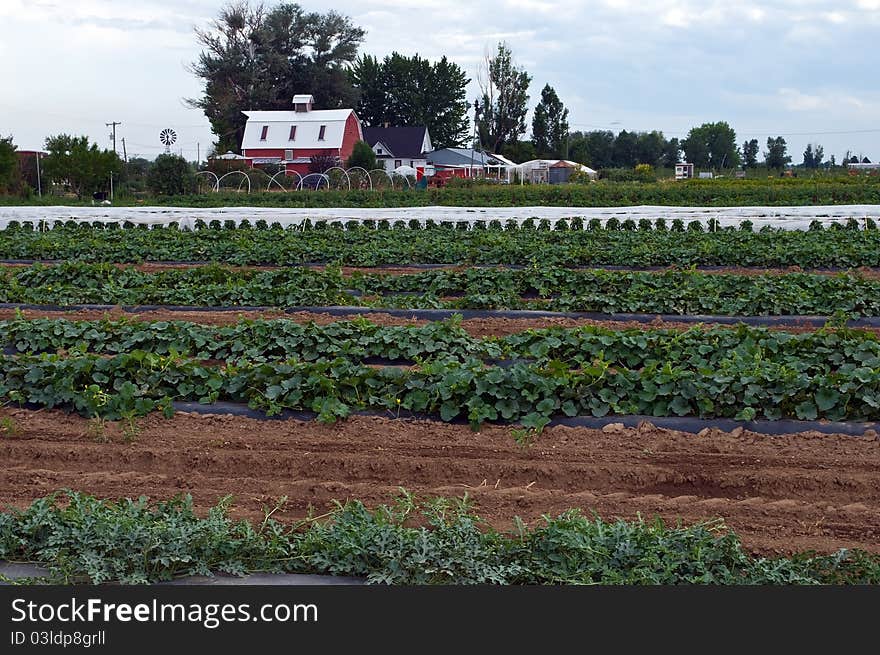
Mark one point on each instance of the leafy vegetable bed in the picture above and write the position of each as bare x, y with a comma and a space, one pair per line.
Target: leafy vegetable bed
668, 292
139, 382
627, 244
84, 539
823, 351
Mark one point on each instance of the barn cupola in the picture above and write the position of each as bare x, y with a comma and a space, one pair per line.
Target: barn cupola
303, 102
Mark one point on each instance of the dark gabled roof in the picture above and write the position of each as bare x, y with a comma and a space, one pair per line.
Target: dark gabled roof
404, 142
460, 157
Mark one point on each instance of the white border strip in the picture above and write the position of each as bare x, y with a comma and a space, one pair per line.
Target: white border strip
793, 218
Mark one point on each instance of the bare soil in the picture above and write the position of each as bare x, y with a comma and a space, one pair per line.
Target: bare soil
477, 327
781, 494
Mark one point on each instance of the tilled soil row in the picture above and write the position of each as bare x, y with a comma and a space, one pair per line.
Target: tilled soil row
476, 327
781, 494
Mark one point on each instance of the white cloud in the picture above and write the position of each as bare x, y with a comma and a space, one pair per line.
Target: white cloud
664, 64
794, 100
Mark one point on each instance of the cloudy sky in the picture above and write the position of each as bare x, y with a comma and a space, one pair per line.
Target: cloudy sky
803, 69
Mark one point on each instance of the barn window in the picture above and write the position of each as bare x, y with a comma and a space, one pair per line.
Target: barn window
288, 155
321, 131
292, 133
264, 132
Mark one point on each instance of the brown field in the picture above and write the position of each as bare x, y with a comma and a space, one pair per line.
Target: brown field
781, 494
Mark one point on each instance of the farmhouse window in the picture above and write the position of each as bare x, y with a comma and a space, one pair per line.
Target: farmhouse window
397, 163
292, 133
264, 132
378, 151
321, 131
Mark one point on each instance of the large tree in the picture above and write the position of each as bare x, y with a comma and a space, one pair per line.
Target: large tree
813, 156
712, 145
402, 90
254, 58
501, 112
85, 168
750, 153
8, 166
171, 175
776, 156
625, 149
671, 153
650, 148
595, 149
550, 125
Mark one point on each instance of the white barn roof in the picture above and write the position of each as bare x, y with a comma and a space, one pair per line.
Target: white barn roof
308, 126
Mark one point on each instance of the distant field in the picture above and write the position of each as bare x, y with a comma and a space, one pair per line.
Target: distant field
719, 192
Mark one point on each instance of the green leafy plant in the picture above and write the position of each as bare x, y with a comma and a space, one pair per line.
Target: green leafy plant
82, 539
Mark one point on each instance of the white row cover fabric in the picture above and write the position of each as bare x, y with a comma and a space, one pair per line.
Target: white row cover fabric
792, 218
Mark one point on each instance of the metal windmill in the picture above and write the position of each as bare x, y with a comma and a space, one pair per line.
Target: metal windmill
167, 137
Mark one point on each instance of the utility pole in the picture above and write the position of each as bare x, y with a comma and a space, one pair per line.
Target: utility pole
198, 154
113, 135
124, 152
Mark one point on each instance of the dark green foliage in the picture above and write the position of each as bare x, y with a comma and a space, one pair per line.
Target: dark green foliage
832, 190
259, 58
749, 154
82, 539
593, 246
83, 167
362, 155
411, 91
740, 373
9, 173
712, 145
550, 126
501, 112
776, 156
171, 175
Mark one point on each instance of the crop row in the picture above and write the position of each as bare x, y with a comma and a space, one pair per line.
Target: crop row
717, 192
667, 292
445, 245
138, 382
81, 539
823, 351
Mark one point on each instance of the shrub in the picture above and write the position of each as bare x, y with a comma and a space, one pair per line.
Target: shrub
171, 175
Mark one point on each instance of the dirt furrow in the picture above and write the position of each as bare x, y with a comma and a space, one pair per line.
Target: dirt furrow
781, 494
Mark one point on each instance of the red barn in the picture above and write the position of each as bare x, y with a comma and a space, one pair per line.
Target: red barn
292, 138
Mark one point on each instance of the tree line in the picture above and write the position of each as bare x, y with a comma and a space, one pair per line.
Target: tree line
254, 57
258, 58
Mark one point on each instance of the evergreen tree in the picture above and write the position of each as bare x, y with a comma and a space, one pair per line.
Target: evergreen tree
550, 126
776, 156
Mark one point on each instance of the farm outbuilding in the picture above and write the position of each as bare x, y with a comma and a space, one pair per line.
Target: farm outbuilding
551, 171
